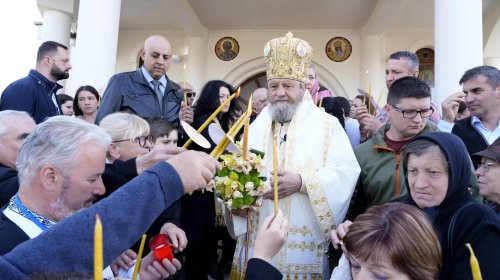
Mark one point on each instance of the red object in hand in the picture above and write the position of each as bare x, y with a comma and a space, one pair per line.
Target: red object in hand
160, 245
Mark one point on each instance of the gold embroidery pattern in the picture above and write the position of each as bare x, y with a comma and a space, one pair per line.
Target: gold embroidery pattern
327, 138
302, 246
302, 230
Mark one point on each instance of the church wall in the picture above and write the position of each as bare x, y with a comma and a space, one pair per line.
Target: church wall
342, 77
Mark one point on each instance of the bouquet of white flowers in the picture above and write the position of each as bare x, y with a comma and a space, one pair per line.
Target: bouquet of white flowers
238, 182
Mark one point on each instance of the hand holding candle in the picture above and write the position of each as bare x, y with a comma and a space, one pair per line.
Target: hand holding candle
160, 245
98, 259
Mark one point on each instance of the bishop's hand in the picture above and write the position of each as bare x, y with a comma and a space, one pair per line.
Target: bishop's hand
288, 183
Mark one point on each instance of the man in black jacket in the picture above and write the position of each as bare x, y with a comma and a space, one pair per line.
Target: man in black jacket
481, 93
36, 93
147, 92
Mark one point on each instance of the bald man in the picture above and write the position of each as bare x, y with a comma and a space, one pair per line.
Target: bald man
147, 92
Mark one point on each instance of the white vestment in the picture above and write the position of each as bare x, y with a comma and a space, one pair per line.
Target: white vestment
317, 148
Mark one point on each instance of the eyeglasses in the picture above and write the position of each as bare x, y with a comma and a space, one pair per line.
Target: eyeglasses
410, 114
486, 165
191, 94
141, 140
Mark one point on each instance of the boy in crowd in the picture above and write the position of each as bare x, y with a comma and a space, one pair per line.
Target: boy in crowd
163, 132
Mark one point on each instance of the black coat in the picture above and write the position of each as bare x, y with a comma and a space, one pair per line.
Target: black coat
10, 234
259, 269
473, 140
9, 184
476, 223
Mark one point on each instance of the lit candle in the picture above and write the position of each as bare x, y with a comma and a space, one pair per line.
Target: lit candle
214, 114
246, 129
98, 267
369, 98
378, 101
474, 264
139, 258
275, 175
184, 86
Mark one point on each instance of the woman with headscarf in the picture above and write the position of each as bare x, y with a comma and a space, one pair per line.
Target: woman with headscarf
438, 175
438, 172
312, 84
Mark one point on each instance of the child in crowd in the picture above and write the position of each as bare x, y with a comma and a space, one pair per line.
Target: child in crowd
163, 132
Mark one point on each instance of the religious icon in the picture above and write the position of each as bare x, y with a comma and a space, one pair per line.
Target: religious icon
338, 49
227, 48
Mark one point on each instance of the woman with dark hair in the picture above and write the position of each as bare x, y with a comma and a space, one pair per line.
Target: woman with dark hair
66, 102
86, 103
198, 210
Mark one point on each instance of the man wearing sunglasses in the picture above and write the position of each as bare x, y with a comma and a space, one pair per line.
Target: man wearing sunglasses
382, 178
188, 89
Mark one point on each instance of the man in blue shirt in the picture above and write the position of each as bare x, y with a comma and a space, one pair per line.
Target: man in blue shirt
481, 93
36, 93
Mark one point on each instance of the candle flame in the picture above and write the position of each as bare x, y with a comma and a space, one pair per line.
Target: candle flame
238, 92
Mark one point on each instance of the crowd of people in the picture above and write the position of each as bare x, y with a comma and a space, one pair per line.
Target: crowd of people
364, 192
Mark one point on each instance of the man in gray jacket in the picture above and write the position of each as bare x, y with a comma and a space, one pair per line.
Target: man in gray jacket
147, 92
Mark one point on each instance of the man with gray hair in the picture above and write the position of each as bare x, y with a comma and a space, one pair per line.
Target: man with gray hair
15, 126
481, 93
60, 166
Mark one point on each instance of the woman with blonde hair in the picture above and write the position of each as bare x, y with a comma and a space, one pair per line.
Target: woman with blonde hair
129, 136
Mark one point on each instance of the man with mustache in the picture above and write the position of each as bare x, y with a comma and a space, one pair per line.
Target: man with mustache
147, 92
36, 93
382, 179
317, 170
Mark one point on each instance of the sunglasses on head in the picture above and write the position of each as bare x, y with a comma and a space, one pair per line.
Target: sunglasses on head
191, 94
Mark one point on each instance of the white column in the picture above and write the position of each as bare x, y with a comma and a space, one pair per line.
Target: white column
492, 61
196, 64
56, 27
372, 70
94, 55
459, 43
